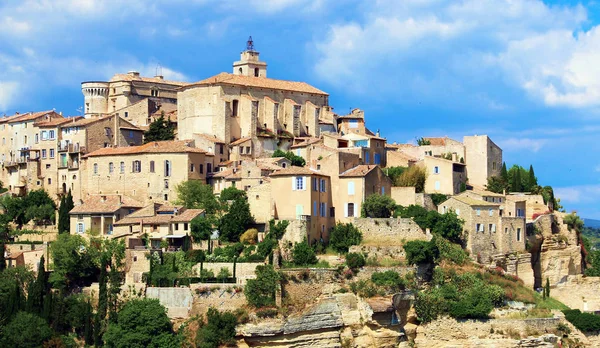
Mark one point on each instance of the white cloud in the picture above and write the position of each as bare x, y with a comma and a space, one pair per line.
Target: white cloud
578, 194
516, 144
8, 90
449, 49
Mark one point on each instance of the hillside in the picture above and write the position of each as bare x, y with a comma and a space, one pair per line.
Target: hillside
591, 223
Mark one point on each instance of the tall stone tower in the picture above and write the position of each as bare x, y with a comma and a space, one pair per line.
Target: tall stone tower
249, 63
95, 94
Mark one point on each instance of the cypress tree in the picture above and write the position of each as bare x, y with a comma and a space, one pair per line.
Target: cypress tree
48, 309
547, 289
35, 296
516, 181
504, 172
2, 259
531, 179
88, 330
102, 304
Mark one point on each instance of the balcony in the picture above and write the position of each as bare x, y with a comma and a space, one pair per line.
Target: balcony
76, 148
74, 165
9, 164
63, 147
303, 218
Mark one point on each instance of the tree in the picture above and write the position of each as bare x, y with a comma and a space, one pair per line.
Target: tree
297, 161
531, 179
194, 194
504, 172
516, 185
12, 298
223, 274
422, 141
75, 263
394, 172
38, 290
419, 251
260, 292
303, 254
2, 258
343, 236
414, 176
250, 236
25, 330
202, 227
141, 323
450, 227
219, 329
66, 204
355, 260
378, 206
573, 222
547, 288
159, 130
100, 320
496, 184
232, 194
235, 221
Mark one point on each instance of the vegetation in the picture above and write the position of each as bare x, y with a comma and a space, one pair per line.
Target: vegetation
414, 176
297, 161
202, 227
159, 130
36, 206
422, 141
250, 236
390, 279
237, 217
195, 194
394, 172
378, 206
446, 225
66, 204
25, 330
217, 330
438, 198
260, 292
141, 323
343, 236
303, 254
586, 322
355, 260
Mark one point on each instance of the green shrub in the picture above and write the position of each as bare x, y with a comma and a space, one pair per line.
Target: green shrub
343, 236
585, 322
420, 251
390, 279
355, 260
450, 251
260, 292
378, 206
267, 313
364, 288
303, 254
250, 236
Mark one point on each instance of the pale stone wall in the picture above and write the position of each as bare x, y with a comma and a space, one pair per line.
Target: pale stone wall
448, 178
579, 292
483, 159
243, 270
404, 196
534, 204
259, 199
389, 231
136, 264
425, 201
178, 301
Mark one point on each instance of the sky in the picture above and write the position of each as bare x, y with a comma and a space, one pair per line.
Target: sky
524, 72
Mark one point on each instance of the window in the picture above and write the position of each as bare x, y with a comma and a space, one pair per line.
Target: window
47, 166
151, 166
351, 188
436, 170
126, 114
491, 212
323, 188
122, 167
95, 168
314, 212
353, 123
208, 167
350, 210
332, 211
136, 166
520, 213
51, 153
43, 153
457, 212
377, 159
36, 138
299, 210
166, 197
185, 226
323, 209
201, 168
111, 168
130, 133
220, 149
80, 227
192, 167
49, 181
480, 227
256, 71
166, 183
234, 108
478, 212
247, 150
167, 168
318, 167
518, 234
367, 158
315, 185
492, 228
299, 183
382, 190
107, 131
437, 185
51, 135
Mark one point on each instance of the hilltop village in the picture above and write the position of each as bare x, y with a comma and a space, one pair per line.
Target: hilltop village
246, 203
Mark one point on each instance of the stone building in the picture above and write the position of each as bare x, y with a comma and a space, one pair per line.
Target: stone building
247, 104
299, 193
355, 185
443, 176
487, 232
483, 158
97, 214
143, 112
147, 173
123, 90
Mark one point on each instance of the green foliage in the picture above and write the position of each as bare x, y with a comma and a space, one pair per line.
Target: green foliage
66, 204
297, 161
12, 298
497, 184
355, 260
414, 176
303, 254
75, 262
260, 292
422, 141
573, 222
218, 330
276, 230
223, 274
159, 130
447, 225
585, 322
202, 227
378, 206
419, 252
438, 198
394, 172
38, 290
25, 330
231, 194
195, 194
141, 323
237, 219
343, 236
36, 205
547, 288
364, 288
390, 279
250, 236
450, 251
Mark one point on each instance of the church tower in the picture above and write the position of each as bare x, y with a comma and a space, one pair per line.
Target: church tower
249, 63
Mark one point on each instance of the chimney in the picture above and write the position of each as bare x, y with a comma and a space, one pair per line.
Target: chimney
133, 73
102, 199
160, 77
377, 134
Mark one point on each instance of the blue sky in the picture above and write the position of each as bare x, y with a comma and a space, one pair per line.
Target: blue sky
525, 72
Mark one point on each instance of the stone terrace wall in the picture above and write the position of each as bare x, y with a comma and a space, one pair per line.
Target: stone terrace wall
178, 301
389, 231
579, 292
243, 270
404, 196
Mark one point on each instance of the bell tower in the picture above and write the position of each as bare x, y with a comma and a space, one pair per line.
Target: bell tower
249, 63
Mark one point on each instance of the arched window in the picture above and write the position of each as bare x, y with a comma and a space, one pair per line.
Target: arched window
111, 168
256, 72
122, 167
136, 166
240, 70
167, 168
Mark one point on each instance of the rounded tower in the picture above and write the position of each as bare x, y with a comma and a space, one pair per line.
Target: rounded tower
95, 97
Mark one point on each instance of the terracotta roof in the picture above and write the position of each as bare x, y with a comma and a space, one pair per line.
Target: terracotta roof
174, 146
229, 174
87, 121
305, 142
127, 77
110, 204
240, 141
403, 155
154, 214
293, 170
259, 82
57, 121
439, 141
322, 121
360, 170
473, 202
32, 116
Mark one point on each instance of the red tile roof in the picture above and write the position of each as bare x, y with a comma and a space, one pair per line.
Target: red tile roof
31, 116
293, 170
240, 141
57, 121
210, 138
360, 170
131, 78
153, 215
174, 146
259, 82
105, 204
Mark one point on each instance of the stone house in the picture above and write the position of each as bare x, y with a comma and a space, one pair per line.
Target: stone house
159, 222
99, 213
299, 193
483, 158
443, 176
143, 112
396, 158
510, 206
212, 145
355, 185
487, 233
147, 173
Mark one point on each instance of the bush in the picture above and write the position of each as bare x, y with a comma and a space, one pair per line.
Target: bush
195, 256
390, 279
438, 198
260, 292
450, 251
25, 330
343, 236
419, 251
412, 177
355, 260
267, 313
585, 322
378, 206
250, 236
303, 254
218, 330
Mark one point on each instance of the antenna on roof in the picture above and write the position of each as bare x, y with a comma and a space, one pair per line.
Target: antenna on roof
158, 70
250, 44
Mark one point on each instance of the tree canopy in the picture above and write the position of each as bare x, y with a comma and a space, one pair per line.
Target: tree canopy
25, 330
297, 161
260, 292
159, 130
378, 206
414, 176
237, 217
343, 236
194, 194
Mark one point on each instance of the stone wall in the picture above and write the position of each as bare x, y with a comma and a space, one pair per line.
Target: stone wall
136, 263
404, 196
425, 201
243, 270
389, 231
579, 292
178, 301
